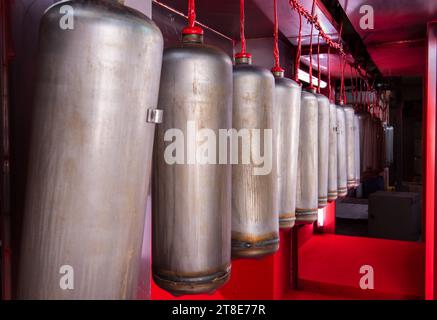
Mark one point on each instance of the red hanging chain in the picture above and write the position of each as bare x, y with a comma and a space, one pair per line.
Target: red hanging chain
277, 67
352, 86
192, 28
342, 62
242, 22
356, 89
191, 13
242, 53
319, 75
344, 86
329, 74
315, 21
299, 50
311, 86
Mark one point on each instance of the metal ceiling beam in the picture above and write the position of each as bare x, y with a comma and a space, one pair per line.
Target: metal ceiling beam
354, 43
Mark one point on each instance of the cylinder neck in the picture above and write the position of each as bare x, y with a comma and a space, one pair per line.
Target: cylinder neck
192, 38
278, 74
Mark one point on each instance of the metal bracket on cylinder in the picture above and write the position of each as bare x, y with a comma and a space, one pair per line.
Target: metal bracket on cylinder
154, 116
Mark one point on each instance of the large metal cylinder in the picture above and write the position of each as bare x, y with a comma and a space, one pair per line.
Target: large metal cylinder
332, 156
255, 221
350, 145
389, 138
368, 144
341, 153
376, 145
286, 132
307, 174
357, 146
323, 152
191, 194
380, 144
91, 153
362, 120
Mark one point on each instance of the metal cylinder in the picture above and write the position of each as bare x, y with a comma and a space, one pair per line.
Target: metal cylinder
368, 144
323, 145
341, 153
332, 156
376, 143
389, 138
91, 153
357, 154
191, 185
255, 221
362, 120
380, 138
307, 174
286, 132
350, 145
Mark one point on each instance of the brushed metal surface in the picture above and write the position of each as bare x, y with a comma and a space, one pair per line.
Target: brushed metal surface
307, 176
192, 202
323, 152
357, 146
350, 145
332, 157
255, 221
367, 143
91, 152
286, 132
376, 146
341, 153
389, 138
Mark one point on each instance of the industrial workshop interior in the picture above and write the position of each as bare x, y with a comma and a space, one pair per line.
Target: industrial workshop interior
180, 150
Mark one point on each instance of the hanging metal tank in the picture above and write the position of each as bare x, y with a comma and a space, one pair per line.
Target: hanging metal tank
362, 124
341, 153
380, 145
350, 145
91, 152
192, 190
357, 154
376, 145
323, 145
307, 174
255, 221
286, 132
368, 144
332, 156
389, 136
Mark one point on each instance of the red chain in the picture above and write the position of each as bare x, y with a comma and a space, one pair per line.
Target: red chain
342, 81
242, 53
311, 86
299, 50
329, 74
192, 28
319, 76
316, 23
277, 67
242, 21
